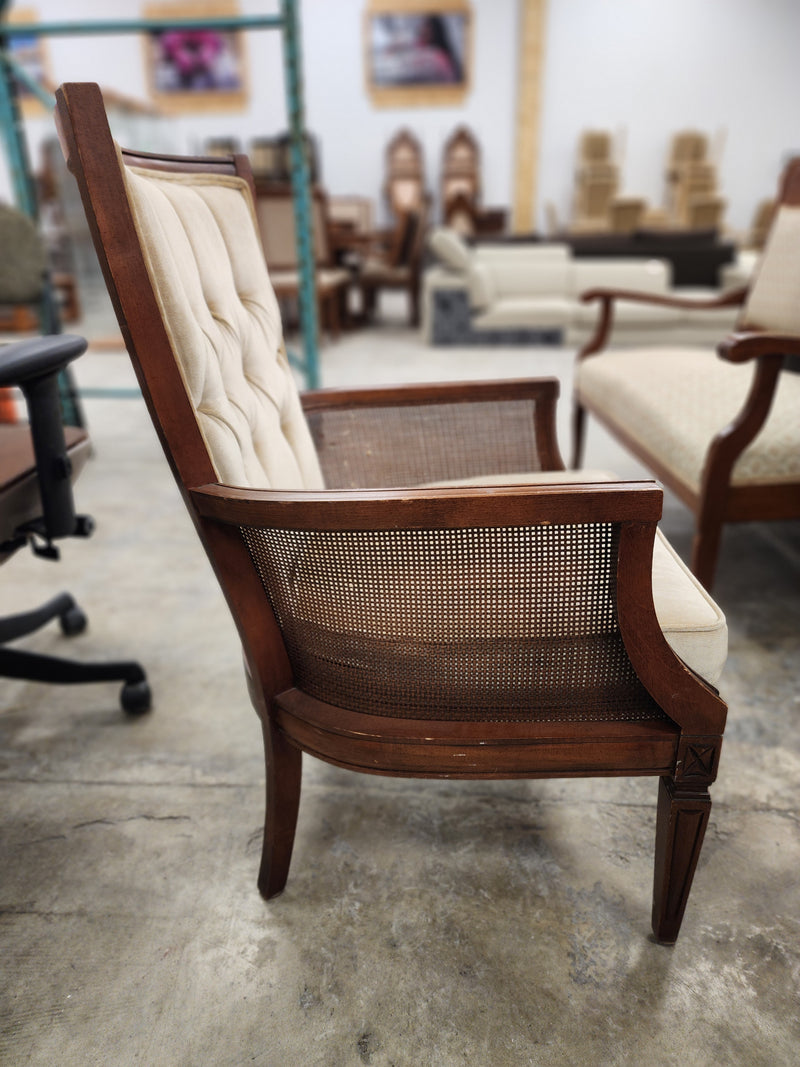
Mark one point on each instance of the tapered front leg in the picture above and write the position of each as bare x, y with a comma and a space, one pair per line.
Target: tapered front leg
683, 812
284, 773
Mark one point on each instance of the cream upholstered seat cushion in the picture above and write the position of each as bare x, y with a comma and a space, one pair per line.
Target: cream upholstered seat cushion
222, 318
673, 401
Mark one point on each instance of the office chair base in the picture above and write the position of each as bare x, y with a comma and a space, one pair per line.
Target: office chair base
135, 696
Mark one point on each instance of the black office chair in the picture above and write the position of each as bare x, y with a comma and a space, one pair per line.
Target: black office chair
38, 462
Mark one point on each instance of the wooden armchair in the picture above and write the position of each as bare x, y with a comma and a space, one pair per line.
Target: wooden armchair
476, 626
721, 430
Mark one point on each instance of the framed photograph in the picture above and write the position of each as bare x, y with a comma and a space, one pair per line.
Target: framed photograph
417, 52
196, 69
30, 53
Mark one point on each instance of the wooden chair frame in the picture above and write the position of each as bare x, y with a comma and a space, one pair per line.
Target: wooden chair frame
718, 501
678, 742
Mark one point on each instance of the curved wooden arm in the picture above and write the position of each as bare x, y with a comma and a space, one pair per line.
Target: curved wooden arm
597, 341
744, 345
405, 509
732, 298
431, 393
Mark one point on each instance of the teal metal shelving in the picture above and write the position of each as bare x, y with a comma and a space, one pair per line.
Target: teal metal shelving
287, 22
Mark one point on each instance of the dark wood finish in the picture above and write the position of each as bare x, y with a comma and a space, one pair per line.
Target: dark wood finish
298, 705
718, 500
680, 827
397, 264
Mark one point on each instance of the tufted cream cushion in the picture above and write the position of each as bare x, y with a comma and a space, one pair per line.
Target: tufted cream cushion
673, 401
774, 300
207, 266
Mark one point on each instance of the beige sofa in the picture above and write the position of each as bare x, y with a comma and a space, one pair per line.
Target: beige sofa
524, 291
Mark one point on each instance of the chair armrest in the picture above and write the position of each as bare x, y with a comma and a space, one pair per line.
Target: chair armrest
34, 365
37, 357
420, 434
383, 585
607, 297
742, 346
732, 298
432, 508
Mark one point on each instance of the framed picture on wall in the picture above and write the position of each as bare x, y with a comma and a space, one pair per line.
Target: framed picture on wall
417, 52
197, 69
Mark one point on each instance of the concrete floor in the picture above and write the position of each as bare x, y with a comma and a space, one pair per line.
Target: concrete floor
424, 923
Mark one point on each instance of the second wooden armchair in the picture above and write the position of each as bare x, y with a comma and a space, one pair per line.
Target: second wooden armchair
409, 600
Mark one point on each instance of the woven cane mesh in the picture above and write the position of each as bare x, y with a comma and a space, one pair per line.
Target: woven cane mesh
499, 624
381, 447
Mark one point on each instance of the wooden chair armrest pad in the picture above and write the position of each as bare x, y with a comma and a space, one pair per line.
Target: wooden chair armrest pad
446, 508
751, 344
424, 393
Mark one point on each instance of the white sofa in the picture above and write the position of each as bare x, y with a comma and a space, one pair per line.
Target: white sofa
515, 291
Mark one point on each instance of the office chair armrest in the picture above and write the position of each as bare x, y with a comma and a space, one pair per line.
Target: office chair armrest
34, 366
37, 357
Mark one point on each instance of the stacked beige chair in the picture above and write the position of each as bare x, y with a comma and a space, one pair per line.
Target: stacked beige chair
693, 199
596, 181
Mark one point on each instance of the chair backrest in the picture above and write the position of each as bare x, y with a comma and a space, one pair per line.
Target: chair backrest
461, 167
688, 146
275, 215
193, 297
773, 302
595, 146
404, 186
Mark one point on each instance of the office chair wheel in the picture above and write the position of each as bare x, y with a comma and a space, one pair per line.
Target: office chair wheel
73, 621
136, 698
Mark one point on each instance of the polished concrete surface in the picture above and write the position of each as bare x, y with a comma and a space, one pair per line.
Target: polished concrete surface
424, 922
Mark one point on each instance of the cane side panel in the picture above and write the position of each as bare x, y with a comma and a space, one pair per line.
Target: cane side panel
383, 447
502, 624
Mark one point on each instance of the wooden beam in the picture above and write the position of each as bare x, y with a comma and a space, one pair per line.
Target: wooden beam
529, 91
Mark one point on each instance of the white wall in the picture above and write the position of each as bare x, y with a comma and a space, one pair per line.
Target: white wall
648, 67
656, 66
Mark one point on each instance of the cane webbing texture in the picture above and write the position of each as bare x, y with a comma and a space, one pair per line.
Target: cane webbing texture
384, 447
492, 624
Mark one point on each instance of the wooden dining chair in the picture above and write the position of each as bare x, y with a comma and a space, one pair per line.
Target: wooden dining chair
419, 588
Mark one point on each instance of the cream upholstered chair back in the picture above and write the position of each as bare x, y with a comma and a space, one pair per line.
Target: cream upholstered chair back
201, 246
773, 302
